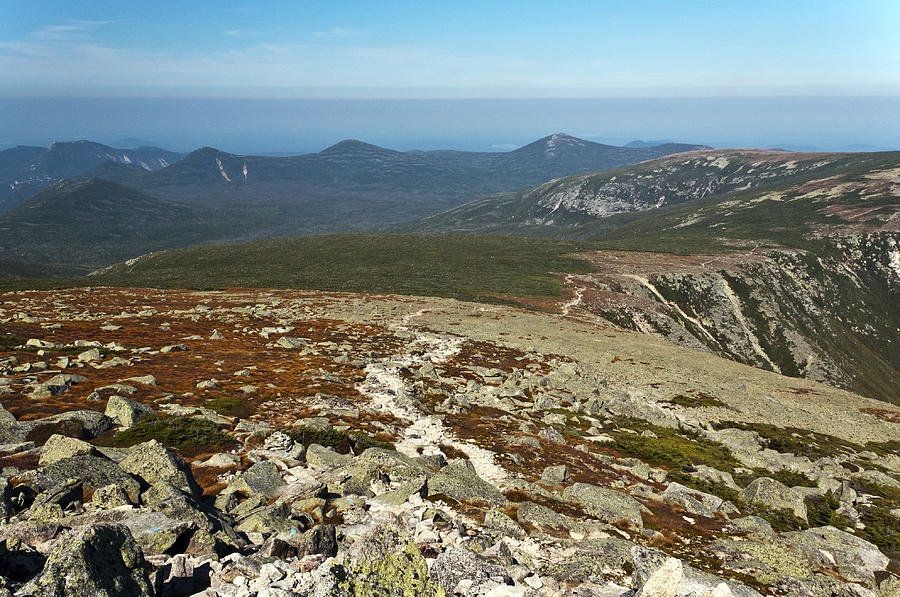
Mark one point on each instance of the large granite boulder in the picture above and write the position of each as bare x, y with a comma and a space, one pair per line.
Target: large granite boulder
775, 495
460, 482
102, 560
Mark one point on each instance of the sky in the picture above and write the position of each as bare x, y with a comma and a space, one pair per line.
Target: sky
520, 48
729, 51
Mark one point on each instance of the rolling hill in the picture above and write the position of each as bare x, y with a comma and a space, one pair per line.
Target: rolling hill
76, 226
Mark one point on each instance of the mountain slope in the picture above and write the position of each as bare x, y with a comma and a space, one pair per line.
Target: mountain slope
25, 170
561, 207
86, 224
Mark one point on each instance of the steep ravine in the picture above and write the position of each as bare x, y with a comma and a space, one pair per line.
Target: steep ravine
831, 317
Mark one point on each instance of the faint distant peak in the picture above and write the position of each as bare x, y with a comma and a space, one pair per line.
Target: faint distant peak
356, 147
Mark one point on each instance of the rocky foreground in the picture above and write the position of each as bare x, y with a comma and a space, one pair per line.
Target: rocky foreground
284, 443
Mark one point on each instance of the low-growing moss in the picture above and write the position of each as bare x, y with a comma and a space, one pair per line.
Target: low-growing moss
187, 434
228, 406
821, 511
700, 400
884, 448
673, 449
341, 441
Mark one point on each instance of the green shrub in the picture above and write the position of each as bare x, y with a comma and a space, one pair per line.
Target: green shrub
188, 434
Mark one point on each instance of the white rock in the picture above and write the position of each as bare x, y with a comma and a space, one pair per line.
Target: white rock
665, 581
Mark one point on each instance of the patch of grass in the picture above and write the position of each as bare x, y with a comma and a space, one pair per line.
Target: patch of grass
700, 400
188, 434
882, 527
672, 449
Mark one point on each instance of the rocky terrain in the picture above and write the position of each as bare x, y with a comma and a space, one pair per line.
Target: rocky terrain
275, 443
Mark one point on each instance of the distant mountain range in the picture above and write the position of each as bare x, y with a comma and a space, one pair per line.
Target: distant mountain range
222, 197
25, 170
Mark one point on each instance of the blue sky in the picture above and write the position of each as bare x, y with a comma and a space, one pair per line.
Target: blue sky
523, 48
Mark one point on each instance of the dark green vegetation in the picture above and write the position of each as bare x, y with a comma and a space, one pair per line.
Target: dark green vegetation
341, 441
803, 442
78, 226
464, 267
188, 434
700, 400
677, 451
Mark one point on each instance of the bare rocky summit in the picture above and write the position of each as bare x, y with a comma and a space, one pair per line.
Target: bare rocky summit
279, 443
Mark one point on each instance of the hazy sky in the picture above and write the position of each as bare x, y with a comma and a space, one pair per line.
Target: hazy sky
463, 48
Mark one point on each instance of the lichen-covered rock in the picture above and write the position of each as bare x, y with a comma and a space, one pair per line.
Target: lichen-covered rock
317, 455
387, 565
555, 475
536, 516
460, 482
58, 447
606, 504
665, 581
155, 532
109, 497
696, 502
503, 524
94, 471
856, 559
102, 560
775, 495
455, 566
153, 463
125, 412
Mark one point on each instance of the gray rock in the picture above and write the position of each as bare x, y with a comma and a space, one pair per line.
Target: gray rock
604, 503
856, 559
58, 447
100, 560
455, 565
94, 471
665, 580
317, 455
696, 502
555, 475
460, 482
125, 412
154, 463
775, 495
552, 435
530, 514
84, 424
56, 385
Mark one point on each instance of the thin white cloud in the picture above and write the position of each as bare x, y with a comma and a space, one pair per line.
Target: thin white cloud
338, 33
